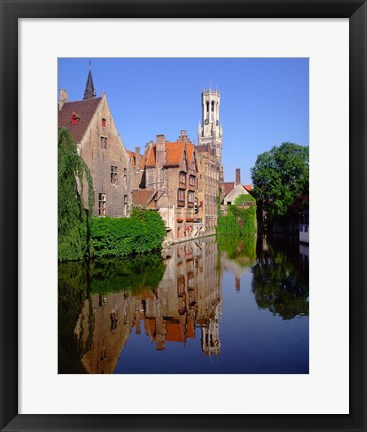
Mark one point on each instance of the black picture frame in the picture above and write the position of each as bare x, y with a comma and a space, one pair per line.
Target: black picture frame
11, 11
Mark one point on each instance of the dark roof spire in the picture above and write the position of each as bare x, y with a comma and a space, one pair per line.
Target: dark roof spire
89, 92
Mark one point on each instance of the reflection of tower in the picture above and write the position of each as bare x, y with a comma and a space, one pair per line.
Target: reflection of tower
210, 131
210, 341
238, 284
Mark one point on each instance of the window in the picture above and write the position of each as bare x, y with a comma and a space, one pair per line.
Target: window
103, 122
102, 204
113, 175
125, 204
74, 119
192, 182
196, 206
190, 199
181, 198
207, 107
103, 142
125, 177
182, 180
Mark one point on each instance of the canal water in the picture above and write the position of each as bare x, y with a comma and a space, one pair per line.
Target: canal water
209, 306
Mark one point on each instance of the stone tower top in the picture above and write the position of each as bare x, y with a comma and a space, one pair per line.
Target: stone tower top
210, 130
210, 103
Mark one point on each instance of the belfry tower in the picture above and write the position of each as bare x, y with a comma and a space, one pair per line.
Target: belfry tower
89, 92
210, 129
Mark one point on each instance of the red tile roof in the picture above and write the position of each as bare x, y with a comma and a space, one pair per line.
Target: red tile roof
149, 156
84, 110
190, 151
136, 159
174, 153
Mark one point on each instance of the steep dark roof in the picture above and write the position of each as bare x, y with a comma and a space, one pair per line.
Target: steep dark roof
227, 187
84, 110
89, 92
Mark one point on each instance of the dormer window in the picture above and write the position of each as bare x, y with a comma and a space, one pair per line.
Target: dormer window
103, 122
75, 119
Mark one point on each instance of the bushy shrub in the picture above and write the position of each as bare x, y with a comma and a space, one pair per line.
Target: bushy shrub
143, 232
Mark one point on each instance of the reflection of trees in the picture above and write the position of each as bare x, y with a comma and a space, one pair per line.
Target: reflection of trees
72, 292
237, 247
132, 274
279, 284
78, 281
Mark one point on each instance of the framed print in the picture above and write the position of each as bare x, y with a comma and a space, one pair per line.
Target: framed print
244, 340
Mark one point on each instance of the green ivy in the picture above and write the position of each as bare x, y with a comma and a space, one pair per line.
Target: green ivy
243, 198
239, 222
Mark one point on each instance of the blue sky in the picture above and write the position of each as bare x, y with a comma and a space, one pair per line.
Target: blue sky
264, 102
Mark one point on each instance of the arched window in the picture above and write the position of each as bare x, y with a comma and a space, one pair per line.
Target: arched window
212, 106
207, 106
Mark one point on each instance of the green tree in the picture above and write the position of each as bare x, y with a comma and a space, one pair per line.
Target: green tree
73, 218
281, 180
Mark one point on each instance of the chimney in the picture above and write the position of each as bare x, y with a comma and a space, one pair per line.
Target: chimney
160, 150
184, 137
63, 98
138, 157
238, 176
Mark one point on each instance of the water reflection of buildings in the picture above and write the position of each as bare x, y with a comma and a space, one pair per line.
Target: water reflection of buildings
237, 266
188, 297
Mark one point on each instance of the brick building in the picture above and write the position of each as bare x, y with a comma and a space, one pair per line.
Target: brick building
180, 179
209, 172
168, 182
92, 128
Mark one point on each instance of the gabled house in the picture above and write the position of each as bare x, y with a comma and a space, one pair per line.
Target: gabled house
232, 190
169, 172
98, 142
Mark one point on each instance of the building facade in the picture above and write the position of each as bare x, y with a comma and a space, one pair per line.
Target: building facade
98, 142
169, 183
181, 180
